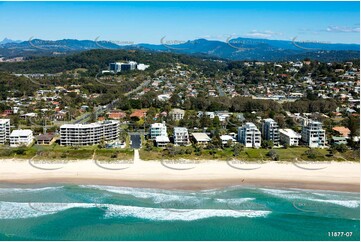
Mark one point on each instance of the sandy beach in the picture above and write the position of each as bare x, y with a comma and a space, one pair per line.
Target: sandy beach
183, 174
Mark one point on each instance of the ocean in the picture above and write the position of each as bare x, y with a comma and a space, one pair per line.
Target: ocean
93, 212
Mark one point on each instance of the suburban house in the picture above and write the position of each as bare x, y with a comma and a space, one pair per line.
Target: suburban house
200, 138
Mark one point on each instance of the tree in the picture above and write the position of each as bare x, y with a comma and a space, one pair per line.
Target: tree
273, 155
237, 149
149, 145
267, 144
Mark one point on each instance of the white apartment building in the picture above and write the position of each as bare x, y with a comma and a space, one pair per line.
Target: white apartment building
21, 137
313, 134
89, 134
270, 131
157, 129
4, 130
177, 114
289, 137
249, 135
181, 136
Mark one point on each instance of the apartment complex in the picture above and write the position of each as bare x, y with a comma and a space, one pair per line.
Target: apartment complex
289, 137
313, 135
157, 129
21, 137
249, 135
270, 131
128, 66
89, 134
181, 136
4, 130
177, 114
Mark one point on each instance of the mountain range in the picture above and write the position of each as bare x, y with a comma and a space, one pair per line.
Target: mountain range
231, 49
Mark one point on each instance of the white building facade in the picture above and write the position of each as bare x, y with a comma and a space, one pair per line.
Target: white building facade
4, 130
270, 131
21, 137
157, 129
181, 136
89, 134
177, 114
249, 135
289, 137
313, 134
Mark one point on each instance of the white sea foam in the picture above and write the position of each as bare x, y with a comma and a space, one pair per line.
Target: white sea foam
162, 214
235, 200
345, 201
19, 190
157, 196
13, 210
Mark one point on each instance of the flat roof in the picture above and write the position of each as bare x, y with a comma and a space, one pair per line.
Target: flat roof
180, 129
91, 125
289, 132
201, 137
162, 139
3, 121
21, 132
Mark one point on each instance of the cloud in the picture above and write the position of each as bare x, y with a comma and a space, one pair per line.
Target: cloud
343, 29
262, 34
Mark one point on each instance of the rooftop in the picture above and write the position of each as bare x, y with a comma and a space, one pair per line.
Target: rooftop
162, 139
289, 132
203, 137
3, 121
21, 132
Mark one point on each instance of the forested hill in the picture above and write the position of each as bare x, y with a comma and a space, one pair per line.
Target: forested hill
96, 60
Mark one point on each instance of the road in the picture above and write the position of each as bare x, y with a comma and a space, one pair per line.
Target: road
109, 106
136, 140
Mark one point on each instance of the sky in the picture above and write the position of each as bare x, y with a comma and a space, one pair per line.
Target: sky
175, 22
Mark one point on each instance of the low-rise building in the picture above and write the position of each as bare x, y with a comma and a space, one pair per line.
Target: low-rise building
177, 114
157, 129
289, 137
4, 130
200, 138
180, 136
313, 135
249, 135
45, 139
21, 137
89, 134
270, 131
226, 138
339, 140
162, 141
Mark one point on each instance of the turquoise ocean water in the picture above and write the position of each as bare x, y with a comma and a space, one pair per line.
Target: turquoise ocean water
91, 212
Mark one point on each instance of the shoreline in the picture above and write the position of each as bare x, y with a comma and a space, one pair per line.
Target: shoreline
185, 175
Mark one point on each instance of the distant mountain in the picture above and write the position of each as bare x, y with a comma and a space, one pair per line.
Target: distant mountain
6, 41
232, 49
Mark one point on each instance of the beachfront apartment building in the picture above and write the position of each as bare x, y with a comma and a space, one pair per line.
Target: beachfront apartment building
249, 135
157, 129
89, 134
313, 135
181, 136
289, 137
270, 131
21, 137
4, 130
